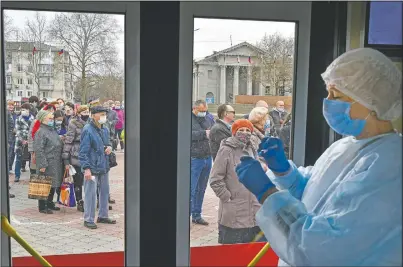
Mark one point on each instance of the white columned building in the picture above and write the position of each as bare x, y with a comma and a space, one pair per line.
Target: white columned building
220, 77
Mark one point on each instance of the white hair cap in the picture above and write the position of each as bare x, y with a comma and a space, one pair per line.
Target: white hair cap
370, 78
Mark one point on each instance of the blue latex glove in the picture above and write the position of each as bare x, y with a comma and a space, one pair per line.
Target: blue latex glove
253, 177
272, 150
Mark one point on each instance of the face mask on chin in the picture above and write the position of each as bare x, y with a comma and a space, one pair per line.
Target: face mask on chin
280, 109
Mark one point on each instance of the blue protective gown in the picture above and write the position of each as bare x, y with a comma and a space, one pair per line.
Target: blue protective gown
346, 210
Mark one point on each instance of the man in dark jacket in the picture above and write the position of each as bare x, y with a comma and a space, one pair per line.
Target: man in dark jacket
10, 136
95, 148
260, 103
279, 114
201, 159
33, 101
222, 128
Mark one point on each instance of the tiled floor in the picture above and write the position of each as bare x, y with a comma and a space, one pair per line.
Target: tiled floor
63, 232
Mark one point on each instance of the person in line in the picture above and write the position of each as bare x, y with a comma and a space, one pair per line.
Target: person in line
60, 105
33, 128
60, 124
71, 151
238, 206
69, 112
222, 128
200, 159
285, 134
259, 118
22, 125
278, 114
120, 124
346, 210
56, 105
34, 102
95, 147
259, 104
11, 135
48, 154
93, 102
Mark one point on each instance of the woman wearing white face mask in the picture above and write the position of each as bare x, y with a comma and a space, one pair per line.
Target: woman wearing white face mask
48, 153
346, 210
238, 206
22, 125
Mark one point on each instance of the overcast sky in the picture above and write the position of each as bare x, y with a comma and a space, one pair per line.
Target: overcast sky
212, 34
20, 16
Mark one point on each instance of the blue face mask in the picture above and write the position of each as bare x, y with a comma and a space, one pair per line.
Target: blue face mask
266, 125
201, 114
337, 115
51, 123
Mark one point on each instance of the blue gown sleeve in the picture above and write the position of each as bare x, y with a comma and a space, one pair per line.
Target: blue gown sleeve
294, 181
361, 217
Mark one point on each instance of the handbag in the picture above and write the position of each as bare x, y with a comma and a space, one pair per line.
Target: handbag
26, 156
67, 194
39, 186
112, 160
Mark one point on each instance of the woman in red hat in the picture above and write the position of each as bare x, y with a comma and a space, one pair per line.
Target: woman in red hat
238, 207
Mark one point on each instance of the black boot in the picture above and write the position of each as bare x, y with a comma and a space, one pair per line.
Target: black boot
52, 206
110, 200
80, 205
43, 207
122, 145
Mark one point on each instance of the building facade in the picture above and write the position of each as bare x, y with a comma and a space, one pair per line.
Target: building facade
41, 70
238, 70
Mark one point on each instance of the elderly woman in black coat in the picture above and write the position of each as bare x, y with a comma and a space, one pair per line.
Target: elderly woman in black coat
48, 152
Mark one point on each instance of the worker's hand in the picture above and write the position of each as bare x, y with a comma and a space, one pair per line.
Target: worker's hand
272, 150
87, 174
253, 177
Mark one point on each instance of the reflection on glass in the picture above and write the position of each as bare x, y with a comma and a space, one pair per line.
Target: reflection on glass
242, 93
64, 86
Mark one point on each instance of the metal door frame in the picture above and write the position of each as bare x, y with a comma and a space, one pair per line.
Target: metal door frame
131, 10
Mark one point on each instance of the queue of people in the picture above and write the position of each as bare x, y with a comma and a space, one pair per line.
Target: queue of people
217, 148
53, 137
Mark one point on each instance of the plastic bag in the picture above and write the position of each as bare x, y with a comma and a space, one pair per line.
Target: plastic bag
67, 195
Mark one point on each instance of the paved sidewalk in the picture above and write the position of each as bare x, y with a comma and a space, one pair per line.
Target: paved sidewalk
63, 232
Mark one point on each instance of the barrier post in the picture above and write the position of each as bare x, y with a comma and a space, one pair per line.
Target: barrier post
10, 231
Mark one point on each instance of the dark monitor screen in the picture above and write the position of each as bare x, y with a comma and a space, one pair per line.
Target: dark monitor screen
384, 23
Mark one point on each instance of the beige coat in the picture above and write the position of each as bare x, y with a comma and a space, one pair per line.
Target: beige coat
238, 207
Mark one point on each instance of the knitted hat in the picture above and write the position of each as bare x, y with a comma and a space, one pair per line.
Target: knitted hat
42, 114
82, 108
240, 124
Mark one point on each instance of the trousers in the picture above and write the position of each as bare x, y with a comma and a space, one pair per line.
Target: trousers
90, 197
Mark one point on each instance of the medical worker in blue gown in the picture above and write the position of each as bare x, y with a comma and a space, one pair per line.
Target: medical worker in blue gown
346, 210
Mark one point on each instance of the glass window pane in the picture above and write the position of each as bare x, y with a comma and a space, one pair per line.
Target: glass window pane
43, 55
241, 69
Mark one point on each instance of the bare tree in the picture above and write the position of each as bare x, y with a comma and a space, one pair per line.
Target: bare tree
35, 35
90, 39
8, 26
277, 62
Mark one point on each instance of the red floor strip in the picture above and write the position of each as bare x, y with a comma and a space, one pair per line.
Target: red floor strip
228, 255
